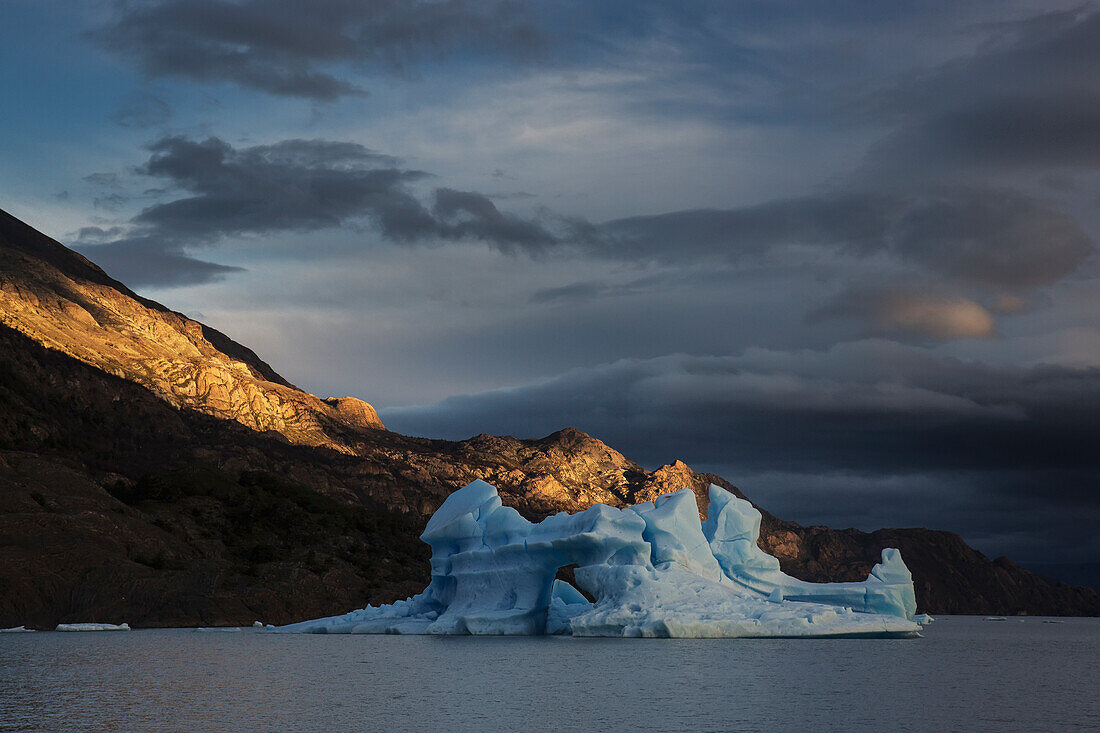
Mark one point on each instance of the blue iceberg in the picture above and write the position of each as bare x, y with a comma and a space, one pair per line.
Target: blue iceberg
653, 569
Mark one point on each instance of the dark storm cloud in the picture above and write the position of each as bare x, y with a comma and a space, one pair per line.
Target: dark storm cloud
1028, 98
1046, 55
930, 196
992, 237
288, 47
999, 513
143, 261
865, 434
296, 185
872, 408
1040, 131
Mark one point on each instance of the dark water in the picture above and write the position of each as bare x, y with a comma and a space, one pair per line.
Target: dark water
967, 674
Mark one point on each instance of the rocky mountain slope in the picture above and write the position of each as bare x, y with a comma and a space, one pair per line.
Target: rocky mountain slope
60, 299
133, 489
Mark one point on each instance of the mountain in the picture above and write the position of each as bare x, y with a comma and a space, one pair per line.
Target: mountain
60, 299
155, 471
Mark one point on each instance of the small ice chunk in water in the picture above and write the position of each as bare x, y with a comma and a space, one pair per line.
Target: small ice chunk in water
93, 627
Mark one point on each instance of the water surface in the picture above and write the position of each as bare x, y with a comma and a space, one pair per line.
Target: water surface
966, 674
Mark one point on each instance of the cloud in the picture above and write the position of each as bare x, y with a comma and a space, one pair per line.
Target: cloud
872, 412
873, 406
306, 185
855, 220
1028, 98
994, 237
98, 235
1022, 131
975, 237
291, 48
990, 237
588, 290
291, 186
890, 310
140, 262
1042, 56
469, 215
992, 241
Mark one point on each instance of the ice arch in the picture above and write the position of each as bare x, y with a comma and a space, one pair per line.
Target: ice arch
653, 569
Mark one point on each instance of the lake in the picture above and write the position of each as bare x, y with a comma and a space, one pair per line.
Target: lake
965, 674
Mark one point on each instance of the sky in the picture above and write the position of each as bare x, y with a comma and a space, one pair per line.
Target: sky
842, 254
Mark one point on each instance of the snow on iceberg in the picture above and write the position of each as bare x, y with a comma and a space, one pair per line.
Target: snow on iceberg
653, 569
92, 627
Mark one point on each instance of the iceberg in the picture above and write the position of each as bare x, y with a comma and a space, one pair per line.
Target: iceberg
92, 627
653, 569
16, 630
